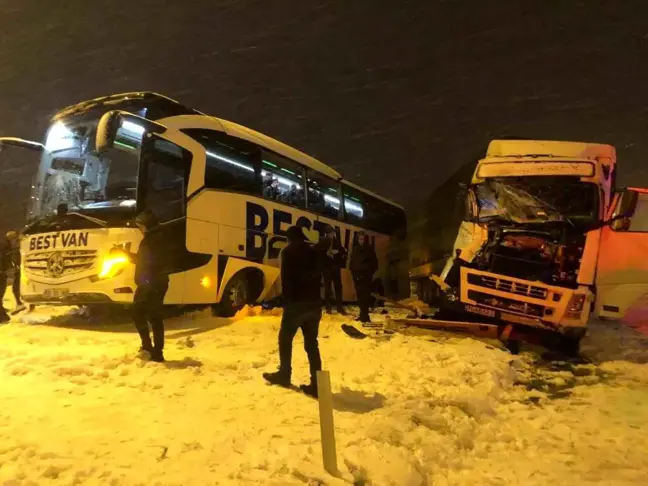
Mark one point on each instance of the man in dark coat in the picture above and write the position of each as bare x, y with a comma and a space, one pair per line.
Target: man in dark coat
13, 245
10, 262
152, 280
364, 264
333, 260
300, 282
4, 268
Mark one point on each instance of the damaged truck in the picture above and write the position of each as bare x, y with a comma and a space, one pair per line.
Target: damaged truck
538, 241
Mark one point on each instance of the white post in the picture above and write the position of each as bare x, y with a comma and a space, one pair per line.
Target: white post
327, 428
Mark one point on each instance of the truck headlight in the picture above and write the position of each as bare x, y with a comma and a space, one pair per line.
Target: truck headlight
575, 305
113, 264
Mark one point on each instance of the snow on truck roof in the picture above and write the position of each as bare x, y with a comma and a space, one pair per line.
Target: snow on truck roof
234, 129
550, 148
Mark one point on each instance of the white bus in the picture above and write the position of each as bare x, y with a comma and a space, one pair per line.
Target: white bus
224, 195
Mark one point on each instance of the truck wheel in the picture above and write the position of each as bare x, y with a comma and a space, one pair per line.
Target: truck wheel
235, 296
570, 346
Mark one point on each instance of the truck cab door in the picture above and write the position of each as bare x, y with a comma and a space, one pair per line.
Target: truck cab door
622, 265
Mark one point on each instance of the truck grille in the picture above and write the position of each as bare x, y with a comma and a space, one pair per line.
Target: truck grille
56, 264
506, 304
509, 286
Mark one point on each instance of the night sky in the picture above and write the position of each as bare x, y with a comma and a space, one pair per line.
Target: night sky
395, 94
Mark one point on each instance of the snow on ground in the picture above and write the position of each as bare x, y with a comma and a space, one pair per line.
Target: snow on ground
79, 407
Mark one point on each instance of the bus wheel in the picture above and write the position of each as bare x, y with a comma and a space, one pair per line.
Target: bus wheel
242, 289
235, 296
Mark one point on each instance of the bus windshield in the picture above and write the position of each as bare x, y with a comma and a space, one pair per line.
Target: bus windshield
72, 173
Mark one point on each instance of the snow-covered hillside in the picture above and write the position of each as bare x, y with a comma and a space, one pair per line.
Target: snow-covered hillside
79, 407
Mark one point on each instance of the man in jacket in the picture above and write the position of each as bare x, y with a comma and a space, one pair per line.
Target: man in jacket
333, 260
4, 268
364, 264
13, 246
300, 281
152, 281
10, 263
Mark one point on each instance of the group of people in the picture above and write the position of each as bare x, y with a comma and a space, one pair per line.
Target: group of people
10, 268
271, 190
302, 268
363, 266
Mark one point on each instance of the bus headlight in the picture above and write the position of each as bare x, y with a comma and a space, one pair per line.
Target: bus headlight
575, 306
112, 265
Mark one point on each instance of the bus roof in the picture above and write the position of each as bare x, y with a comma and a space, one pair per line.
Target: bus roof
124, 98
281, 148
231, 128
383, 199
551, 148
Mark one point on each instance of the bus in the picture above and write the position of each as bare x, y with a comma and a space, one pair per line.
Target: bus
224, 194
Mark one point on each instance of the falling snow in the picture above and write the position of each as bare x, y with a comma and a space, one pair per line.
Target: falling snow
79, 407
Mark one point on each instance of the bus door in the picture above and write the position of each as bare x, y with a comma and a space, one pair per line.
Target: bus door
622, 265
172, 170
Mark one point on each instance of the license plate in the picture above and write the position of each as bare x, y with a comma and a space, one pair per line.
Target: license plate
480, 310
55, 294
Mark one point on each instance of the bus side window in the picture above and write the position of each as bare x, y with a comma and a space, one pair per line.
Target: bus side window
386, 218
283, 179
354, 207
167, 172
231, 163
323, 195
374, 214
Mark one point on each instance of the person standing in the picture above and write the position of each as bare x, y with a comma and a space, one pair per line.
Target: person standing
152, 281
4, 268
333, 260
364, 264
13, 249
10, 263
300, 280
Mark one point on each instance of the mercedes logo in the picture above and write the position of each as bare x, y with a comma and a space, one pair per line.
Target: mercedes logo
55, 265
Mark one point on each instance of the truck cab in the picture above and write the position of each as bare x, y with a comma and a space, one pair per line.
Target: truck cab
526, 250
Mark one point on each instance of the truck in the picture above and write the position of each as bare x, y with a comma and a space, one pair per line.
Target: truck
538, 241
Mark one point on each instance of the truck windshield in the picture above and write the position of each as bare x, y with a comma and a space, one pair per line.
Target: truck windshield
72, 173
538, 199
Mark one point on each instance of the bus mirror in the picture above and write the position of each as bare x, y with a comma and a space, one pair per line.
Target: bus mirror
19, 142
620, 224
115, 125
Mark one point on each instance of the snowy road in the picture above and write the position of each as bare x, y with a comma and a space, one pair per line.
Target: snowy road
78, 407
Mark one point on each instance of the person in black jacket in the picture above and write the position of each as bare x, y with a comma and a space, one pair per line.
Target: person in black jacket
333, 260
152, 280
4, 268
10, 262
364, 264
13, 248
300, 281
